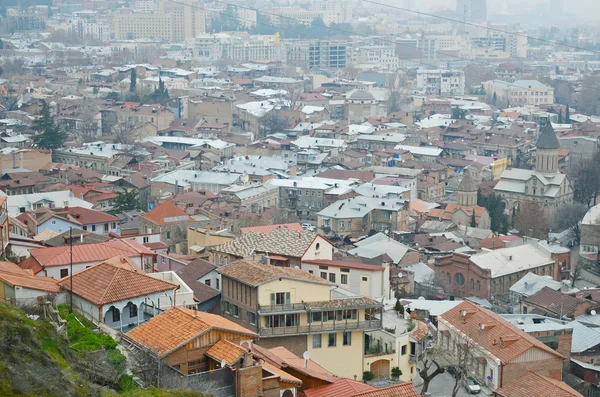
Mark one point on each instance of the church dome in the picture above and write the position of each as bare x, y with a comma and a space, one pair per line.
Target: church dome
547, 138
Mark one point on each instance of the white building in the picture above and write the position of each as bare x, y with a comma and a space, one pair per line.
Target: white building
441, 82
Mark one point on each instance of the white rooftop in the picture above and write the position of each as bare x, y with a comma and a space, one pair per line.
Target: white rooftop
511, 260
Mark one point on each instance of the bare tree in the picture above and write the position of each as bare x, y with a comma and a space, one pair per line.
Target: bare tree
568, 217
126, 131
87, 126
477, 74
529, 219
394, 102
271, 124
461, 356
426, 375
578, 265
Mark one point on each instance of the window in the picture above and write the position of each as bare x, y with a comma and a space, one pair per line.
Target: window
459, 279
85, 227
331, 340
133, 311
365, 279
64, 273
106, 228
349, 224
317, 341
311, 272
93, 228
217, 286
344, 270
472, 284
252, 318
281, 298
207, 282
235, 310
347, 338
323, 267
116, 314
54, 222
324, 275
341, 224
168, 235
113, 225
145, 240
344, 279
403, 350
226, 307
478, 286
316, 317
332, 277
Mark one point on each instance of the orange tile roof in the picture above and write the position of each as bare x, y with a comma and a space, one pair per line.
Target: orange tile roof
226, 350
95, 252
269, 228
104, 283
535, 385
254, 273
13, 275
489, 339
401, 390
177, 326
341, 388
283, 376
166, 213
420, 331
285, 358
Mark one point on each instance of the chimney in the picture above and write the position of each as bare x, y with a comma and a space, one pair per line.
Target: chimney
81, 238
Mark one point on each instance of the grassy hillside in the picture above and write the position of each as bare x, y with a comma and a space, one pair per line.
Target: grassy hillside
35, 361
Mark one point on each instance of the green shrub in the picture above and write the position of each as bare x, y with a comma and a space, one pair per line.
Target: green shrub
368, 376
396, 372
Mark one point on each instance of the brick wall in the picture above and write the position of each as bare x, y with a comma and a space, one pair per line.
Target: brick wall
249, 381
551, 368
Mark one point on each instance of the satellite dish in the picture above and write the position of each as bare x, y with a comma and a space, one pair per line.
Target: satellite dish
482, 326
593, 312
223, 363
306, 355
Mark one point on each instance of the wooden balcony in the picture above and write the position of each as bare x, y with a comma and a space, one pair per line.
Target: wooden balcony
321, 327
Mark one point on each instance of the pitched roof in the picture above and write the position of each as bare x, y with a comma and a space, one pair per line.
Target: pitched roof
226, 350
341, 388
13, 275
45, 234
105, 283
166, 213
279, 241
284, 376
420, 331
345, 264
96, 252
269, 228
282, 357
535, 385
467, 184
489, 339
190, 275
547, 138
554, 301
254, 273
400, 390
177, 326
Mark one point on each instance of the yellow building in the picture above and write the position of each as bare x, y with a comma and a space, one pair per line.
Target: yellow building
199, 239
499, 166
300, 311
175, 22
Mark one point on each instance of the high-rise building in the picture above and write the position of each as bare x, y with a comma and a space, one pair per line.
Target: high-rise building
174, 22
472, 10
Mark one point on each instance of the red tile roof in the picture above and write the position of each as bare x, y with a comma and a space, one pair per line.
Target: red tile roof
96, 252
166, 213
104, 283
269, 228
282, 357
177, 326
341, 388
401, 390
13, 275
226, 350
535, 385
344, 264
489, 339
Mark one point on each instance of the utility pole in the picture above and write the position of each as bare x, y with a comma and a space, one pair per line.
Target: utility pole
71, 266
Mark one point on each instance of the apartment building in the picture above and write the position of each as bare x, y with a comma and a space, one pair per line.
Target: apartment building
300, 311
441, 82
136, 116
380, 55
174, 22
521, 92
360, 214
316, 53
282, 15
238, 47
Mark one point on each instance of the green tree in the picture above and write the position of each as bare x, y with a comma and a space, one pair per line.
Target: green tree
473, 220
95, 91
560, 117
567, 114
495, 98
50, 135
458, 113
398, 308
493, 203
127, 200
160, 94
113, 96
133, 80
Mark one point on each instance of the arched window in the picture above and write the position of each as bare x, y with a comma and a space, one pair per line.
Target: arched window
478, 286
472, 284
449, 279
459, 279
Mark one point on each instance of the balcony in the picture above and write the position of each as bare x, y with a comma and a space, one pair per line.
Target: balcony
286, 308
317, 328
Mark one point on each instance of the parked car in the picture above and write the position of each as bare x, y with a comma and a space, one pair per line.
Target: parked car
471, 385
308, 227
